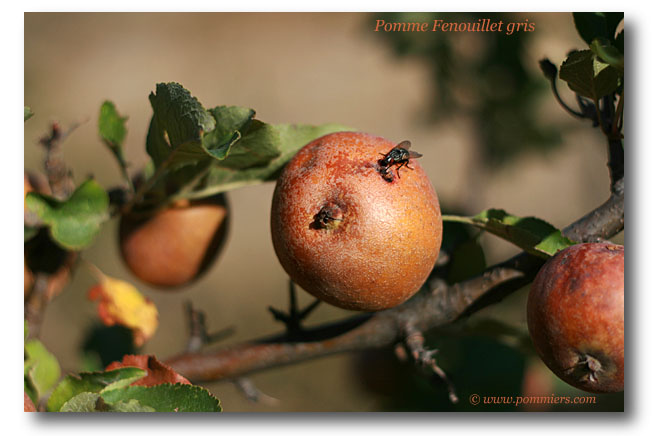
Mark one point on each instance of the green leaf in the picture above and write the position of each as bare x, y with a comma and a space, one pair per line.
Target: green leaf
74, 222
130, 406
231, 123
196, 135
532, 235
41, 367
167, 397
82, 402
608, 53
257, 147
27, 113
93, 402
157, 146
591, 25
290, 139
588, 76
93, 382
181, 117
111, 126
205, 152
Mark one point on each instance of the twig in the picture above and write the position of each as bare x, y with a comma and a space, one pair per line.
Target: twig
424, 359
252, 393
198, 335
293, 319
425, 311
59, 174
36, 304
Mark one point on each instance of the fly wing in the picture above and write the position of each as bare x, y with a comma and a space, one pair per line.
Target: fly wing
414, 154
403, 144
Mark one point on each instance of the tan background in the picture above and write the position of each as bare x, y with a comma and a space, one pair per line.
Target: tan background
300, 68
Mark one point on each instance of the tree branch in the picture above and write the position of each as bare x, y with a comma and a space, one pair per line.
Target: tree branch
442, 305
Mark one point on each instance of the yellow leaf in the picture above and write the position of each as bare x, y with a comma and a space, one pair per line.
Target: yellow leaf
121, 303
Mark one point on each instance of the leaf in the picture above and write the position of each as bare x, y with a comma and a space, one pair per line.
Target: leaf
608, 53
94, 382
532, 235
121, 303
27, 113
93, 402
591, 25
167, 397
111, 126
41, 367
83, 402
231, 124
290, 139
203, 135
258, 146
181, 117
130, 406
158, 372
74, 222
589, 77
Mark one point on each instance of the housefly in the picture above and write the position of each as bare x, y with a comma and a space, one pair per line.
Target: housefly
399, 156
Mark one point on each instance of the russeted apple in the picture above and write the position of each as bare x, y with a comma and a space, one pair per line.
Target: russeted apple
354, 225
575, 316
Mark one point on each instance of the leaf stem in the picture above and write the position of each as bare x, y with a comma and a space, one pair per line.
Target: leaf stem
618, 120
148, 184
456, 219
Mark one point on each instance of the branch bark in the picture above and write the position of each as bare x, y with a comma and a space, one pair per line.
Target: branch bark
442, 305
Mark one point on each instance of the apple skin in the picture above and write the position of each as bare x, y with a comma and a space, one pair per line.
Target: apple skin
575, 315
173, 247
385, 236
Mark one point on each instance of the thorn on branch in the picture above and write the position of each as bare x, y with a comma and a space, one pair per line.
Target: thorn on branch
253, 394
293, 319
425, 359
198, 335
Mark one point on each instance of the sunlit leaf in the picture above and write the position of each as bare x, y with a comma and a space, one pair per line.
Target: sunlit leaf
41, 368
588, 76
608, 53
121, 303
94, 382
74, 222
167, 397
111, 126
531, 234
290, 139
185, 139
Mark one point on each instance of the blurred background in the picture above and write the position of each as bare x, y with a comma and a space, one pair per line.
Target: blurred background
474, 104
